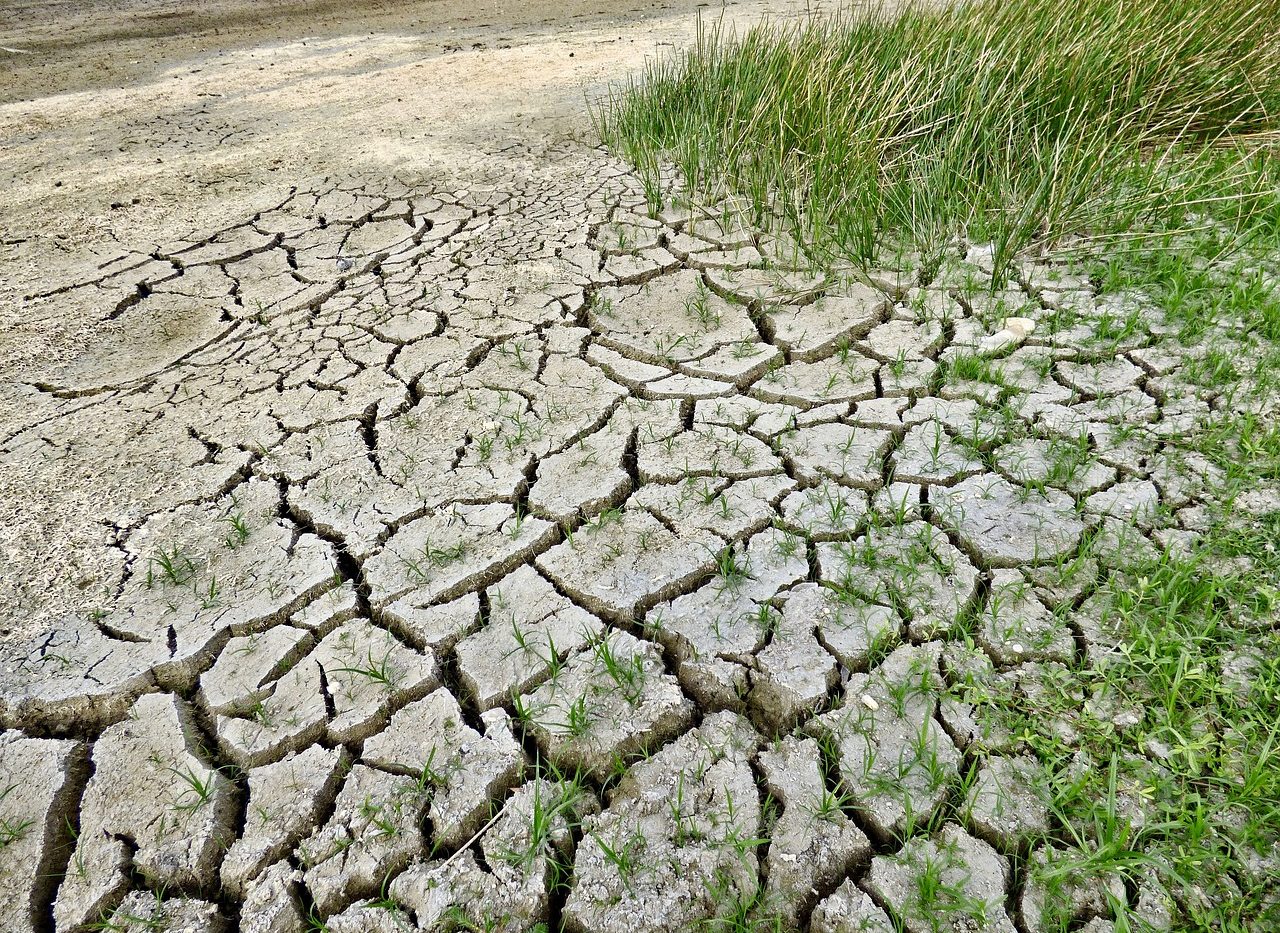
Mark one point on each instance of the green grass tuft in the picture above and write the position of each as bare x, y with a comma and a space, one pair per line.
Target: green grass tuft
1013, 122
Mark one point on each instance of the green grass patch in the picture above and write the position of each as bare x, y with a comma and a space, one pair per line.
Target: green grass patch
1189, 792
1199, 660
1013, 122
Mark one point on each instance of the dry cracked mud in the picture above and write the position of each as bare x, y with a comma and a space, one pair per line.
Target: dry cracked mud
509, 554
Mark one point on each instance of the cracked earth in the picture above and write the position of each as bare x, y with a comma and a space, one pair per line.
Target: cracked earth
419, 555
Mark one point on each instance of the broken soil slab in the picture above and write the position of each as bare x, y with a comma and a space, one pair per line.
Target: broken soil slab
896, 762
463, 770
1007, 526
531, 628
627, 560
443, 556
344, 690
504, 882
373, 832
679, 827
39, 782
611, 701
950, 883
286, 800
814, 843
154, 806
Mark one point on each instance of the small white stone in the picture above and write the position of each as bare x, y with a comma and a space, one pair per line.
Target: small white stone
870, 702
1022, 326
1016, 648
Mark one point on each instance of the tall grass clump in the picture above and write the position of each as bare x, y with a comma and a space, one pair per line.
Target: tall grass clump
1014, 122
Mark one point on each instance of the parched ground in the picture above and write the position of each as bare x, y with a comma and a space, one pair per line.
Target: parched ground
402, 529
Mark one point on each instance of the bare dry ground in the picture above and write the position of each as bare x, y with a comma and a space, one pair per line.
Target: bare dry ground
375, 471
126, 126
166, 125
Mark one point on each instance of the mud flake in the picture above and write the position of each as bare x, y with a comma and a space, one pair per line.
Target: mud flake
626, 561
240, 677
433, 627
1015, 626
826, 511
583, 479
76, 674
1064, 464
670, 320
1105, 378
732, 510
511, 891
794, 674
902, 340
929, 455
850, 910
813, 330
896, 762
1135, 501
971, 881
143, 912
714, 631
531, 628
1061, 890
205, 569
38, 782
611, 701
851, 456
912, 566
286, 800
845, 377
814, 843
1006, 526
709, 451
1008, 805
766, 286
442, 556
273, 903
345, 689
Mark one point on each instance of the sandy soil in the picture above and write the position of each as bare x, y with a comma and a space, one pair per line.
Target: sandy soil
125, 125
